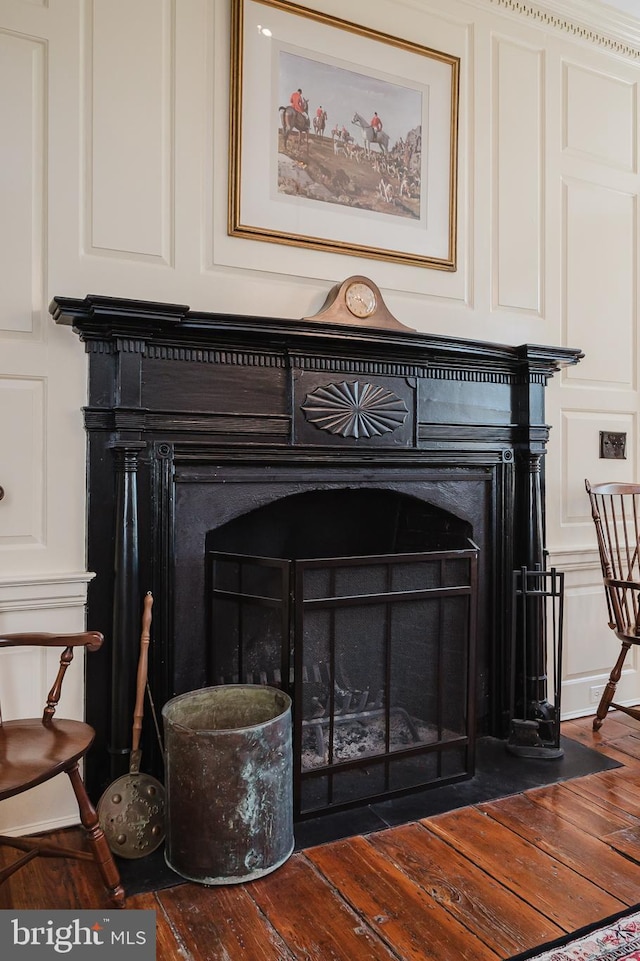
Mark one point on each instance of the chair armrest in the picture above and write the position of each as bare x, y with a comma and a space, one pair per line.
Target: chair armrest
622, 585
92, 640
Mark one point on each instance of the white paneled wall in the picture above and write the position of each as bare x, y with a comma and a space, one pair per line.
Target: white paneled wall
129, 129
597, 171
22, 418
23, 63
114, 149
600, 250
518, 144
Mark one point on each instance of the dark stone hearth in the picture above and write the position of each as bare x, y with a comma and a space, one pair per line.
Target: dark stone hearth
197, 422
498, 774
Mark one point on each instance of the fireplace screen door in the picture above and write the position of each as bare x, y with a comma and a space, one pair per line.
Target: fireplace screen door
377, 653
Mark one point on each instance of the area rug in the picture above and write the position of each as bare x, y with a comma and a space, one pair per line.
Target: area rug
614, 939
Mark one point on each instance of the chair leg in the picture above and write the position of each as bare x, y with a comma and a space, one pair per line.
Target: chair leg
97, 839
610, 689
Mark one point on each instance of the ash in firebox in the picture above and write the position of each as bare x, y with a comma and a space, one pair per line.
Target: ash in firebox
359, 738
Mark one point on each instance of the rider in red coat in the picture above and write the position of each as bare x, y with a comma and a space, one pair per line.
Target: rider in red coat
297, 101
376, 123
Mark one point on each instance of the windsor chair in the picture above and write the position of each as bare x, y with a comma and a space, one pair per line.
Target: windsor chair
34, 750
615, 509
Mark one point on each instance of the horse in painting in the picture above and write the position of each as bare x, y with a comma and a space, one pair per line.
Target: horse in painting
319, 123
291, 119
369, 136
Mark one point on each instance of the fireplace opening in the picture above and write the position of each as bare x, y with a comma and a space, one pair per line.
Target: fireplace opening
361, 604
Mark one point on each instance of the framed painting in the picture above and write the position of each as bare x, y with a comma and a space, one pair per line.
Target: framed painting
342, 138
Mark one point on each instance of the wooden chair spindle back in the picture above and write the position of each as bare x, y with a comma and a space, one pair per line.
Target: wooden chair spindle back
53, 696
615, 510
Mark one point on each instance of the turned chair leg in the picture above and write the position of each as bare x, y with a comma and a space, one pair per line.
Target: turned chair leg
610, 689
97, 839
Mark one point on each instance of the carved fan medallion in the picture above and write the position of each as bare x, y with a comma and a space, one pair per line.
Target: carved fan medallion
354, 409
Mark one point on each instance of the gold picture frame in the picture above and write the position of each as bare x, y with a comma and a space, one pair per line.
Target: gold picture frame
341, 186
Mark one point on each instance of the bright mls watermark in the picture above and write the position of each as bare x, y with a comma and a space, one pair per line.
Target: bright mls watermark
78, 935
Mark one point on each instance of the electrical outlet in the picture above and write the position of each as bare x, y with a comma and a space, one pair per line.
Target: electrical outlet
595, 693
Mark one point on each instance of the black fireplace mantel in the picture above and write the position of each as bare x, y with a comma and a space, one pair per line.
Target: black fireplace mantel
195, 418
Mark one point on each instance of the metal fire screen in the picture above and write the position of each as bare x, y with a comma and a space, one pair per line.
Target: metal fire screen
377, 653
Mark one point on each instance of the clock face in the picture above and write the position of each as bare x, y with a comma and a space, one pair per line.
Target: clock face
360, 299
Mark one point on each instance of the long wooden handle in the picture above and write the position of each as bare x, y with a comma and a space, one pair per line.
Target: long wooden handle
143, 664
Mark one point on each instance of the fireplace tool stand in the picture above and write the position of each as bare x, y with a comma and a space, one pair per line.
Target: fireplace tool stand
536, 648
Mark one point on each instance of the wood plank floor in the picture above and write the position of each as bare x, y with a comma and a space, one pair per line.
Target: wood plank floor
483, 882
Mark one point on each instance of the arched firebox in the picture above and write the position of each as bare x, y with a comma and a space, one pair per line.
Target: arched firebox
361, 604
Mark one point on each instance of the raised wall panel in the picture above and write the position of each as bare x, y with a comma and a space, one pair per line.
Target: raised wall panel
585, 606
17, 700
22, 437
517, 177
591, 648
22, 119
600, 256
599, 119
129, 204
580, 459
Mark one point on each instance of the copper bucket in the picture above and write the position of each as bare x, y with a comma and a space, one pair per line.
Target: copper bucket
229, 783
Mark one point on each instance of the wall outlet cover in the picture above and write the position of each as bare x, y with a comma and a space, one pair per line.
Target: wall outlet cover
613, 445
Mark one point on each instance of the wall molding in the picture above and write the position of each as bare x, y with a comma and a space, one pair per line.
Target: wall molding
584, 20
574, 559
44, 591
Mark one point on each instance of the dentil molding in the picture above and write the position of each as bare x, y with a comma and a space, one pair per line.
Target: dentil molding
588, 20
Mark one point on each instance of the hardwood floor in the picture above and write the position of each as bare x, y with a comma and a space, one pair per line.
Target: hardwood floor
483, 882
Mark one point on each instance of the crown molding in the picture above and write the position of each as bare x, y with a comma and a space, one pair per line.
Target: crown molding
587, 20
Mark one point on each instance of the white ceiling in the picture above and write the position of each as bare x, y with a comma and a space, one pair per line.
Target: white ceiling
631, 7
